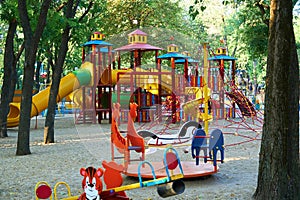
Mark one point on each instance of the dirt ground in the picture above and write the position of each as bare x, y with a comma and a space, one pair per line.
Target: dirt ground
86, 145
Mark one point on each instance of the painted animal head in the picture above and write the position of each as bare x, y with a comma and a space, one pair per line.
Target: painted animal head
91, 183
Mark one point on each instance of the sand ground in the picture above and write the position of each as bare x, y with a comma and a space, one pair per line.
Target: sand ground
88, 145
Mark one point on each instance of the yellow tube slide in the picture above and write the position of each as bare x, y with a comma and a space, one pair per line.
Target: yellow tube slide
69, 83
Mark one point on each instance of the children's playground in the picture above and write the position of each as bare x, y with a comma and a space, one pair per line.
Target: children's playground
150, 126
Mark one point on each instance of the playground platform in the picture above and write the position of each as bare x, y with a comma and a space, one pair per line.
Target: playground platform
190, 170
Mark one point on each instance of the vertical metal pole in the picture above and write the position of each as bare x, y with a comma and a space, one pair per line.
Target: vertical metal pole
222, 102
206, 97
173, 92
83, 55
159, 88
233, 83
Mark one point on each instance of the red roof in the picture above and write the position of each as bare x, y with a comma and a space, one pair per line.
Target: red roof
137, 32
138, 46
97, 32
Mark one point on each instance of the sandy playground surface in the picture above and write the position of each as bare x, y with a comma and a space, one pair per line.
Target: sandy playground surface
88, 145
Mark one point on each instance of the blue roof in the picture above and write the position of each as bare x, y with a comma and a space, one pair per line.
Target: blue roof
190, 60
105, 50
97, 42
222, 57
172, 55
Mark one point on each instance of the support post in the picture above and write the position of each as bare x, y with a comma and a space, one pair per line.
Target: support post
206, 97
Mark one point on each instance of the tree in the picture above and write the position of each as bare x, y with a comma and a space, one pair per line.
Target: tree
9, 78
10, 62
57, 71
278, 176
31, 40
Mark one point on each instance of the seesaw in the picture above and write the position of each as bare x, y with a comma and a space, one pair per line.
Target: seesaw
169, 185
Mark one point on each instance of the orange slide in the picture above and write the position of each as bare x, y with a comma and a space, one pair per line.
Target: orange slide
69, 83
124, 144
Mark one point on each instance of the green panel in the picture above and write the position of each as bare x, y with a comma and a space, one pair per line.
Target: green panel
83, 76
124, 99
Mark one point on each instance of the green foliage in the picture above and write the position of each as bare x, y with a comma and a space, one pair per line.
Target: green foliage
250, 35
250, 32
82, 27
127, 14
8, 10
244, 29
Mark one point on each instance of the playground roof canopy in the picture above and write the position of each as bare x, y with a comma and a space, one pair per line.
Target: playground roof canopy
190, 60
138, 32
173, 55
222, 57
97, 42
138, 46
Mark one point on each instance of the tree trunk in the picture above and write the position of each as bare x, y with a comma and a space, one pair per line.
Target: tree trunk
31, 44
57, 71
48, 68
37, 75
9, 80
25, 110
278, 176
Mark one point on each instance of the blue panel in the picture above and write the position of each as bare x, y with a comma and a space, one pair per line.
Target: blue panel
172, 55
97, 42
222, 57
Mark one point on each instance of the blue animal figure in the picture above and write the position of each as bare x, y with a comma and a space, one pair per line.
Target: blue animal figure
199, 142
216, 143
